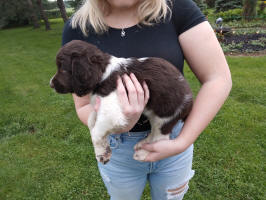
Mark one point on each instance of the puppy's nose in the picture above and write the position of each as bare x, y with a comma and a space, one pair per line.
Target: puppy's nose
51, 83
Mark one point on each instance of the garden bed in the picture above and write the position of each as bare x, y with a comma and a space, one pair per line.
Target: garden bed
244, 43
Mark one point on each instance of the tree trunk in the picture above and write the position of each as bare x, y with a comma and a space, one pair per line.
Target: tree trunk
61, 6
34, 17
43, 15
249, 9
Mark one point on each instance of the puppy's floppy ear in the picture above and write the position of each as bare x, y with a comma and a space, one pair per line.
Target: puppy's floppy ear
97, 59
85, 77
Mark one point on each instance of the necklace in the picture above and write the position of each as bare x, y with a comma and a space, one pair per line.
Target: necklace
123, 33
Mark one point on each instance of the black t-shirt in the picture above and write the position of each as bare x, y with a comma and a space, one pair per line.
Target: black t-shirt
159, 40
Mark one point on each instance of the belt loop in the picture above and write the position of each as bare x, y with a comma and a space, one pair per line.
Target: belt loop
117, 137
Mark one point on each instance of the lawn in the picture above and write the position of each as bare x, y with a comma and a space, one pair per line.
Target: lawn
46, 153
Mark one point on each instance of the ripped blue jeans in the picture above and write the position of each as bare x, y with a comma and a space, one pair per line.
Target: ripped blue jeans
125, 178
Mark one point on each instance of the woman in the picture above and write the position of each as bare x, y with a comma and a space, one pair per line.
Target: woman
159, 28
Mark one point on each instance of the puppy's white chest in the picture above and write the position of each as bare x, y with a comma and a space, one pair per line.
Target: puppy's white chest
110, 114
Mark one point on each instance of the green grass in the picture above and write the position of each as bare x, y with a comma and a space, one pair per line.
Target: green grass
46, 153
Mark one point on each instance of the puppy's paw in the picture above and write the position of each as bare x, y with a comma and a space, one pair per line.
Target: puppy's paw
140, 155
139, 144
103, 156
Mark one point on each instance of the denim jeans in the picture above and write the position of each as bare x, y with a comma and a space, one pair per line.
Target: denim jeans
125, 178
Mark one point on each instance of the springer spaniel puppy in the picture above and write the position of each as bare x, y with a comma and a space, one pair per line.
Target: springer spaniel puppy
83, 69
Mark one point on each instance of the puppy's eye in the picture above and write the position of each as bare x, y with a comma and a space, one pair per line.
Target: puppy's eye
64, 71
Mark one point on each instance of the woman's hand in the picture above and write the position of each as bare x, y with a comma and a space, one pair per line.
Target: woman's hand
163, 149
133, 98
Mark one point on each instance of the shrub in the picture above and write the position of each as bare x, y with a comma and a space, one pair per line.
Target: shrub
262, 6
55, 13
14, 13
201, 4
230, 15
52, 14
224, 5
237, 14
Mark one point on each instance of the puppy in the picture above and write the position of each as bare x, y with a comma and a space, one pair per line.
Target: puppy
83, 69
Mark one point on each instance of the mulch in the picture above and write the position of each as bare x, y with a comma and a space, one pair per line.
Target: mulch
245, 39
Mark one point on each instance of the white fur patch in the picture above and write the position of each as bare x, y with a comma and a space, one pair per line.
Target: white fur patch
181, 78
109, 119
115, 65
188, 98
142, 59
52, 79
109, 115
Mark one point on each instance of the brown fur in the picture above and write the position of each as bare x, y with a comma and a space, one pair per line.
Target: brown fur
81, 66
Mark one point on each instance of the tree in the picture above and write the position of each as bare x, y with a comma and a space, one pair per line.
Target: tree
224, 5
210, 3
43, 15
34, 17
249, 9
62, 8
75, 3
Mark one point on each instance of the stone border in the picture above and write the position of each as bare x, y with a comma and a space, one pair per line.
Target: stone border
254, 54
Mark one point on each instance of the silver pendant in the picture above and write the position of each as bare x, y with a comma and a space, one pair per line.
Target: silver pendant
123, 33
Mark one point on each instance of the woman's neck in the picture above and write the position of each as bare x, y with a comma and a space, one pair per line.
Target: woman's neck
122, 17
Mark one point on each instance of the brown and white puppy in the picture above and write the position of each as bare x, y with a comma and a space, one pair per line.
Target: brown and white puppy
84, 69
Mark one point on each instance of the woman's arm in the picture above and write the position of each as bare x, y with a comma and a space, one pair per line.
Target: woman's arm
207, 61
83, 107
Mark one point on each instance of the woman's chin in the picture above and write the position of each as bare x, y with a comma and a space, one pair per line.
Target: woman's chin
123, 4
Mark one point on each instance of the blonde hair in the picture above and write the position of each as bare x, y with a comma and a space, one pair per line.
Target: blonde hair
91, 13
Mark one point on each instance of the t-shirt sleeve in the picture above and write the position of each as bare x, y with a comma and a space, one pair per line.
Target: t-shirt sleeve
185, 15
70, 34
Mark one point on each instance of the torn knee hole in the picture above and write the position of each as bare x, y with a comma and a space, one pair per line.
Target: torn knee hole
178, 190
